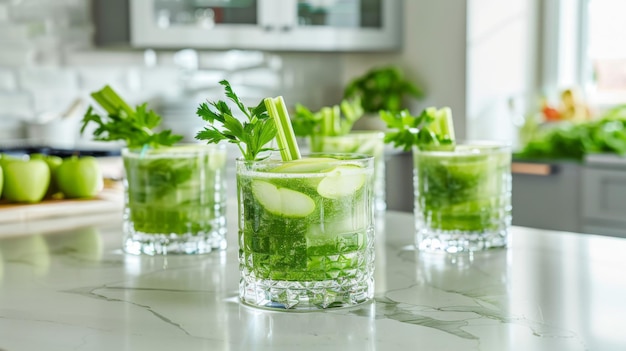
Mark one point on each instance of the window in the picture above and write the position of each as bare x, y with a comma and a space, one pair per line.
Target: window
604, 64
584, 47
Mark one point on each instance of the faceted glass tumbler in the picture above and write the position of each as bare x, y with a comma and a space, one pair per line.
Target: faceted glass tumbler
175, 199
462, 197
306, 234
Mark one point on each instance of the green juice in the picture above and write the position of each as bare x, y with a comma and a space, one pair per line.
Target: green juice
462, 197
175, 199
362, 142
305, 231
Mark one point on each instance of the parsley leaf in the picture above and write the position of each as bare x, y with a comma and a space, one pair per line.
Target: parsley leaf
251, 136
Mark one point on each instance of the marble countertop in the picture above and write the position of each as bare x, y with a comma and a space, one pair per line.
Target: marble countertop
73, 289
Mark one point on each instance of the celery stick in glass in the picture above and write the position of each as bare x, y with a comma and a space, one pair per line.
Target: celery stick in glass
462, 191
305, 223
174, 194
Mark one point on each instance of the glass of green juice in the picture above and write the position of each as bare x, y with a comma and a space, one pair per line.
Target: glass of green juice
462, 197
175, 199
306, 235
365, 142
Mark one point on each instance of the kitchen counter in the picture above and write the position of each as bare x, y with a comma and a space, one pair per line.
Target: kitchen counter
74, 289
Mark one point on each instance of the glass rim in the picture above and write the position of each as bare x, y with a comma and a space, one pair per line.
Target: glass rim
190, 145
352, 133
349, 156
181, 147
481, 147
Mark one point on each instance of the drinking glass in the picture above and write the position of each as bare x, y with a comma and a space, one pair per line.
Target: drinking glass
462, 197
365, 142
175, 199
306, 234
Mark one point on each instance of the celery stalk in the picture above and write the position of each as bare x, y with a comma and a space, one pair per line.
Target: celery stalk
444, 120
336, 118
285, 137
327, 121
111, 102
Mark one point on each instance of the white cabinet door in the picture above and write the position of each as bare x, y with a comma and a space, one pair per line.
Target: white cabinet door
344, 25
289, 25
216, 24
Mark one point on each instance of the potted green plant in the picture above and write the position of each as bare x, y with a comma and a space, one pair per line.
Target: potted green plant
382, 88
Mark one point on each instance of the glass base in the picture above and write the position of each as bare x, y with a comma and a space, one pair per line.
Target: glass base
304, 296
460, 241
138, 243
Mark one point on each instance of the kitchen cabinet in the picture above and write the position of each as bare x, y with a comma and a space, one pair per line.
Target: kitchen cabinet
604, 194
281, 25
587, 197
546, 195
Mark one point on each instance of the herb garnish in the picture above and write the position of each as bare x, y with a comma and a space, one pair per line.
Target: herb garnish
134, 126
251, 136
431, 130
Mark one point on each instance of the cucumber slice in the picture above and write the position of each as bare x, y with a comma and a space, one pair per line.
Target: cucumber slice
342, 181
306, 165
282, 201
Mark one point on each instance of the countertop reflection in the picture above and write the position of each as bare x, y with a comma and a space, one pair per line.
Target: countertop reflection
73, 289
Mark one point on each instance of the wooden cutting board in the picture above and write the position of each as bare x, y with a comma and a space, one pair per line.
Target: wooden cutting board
110, 199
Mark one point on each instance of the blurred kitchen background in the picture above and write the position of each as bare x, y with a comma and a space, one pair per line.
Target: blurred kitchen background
493, 62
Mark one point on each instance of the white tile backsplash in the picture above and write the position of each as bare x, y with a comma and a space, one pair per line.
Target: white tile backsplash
94, 78
8, 79
48, 78
17, 105
22, 31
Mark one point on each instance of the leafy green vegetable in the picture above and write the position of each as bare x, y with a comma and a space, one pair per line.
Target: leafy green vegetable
328, 121
134, 126
606, 134
251, 136
431, 130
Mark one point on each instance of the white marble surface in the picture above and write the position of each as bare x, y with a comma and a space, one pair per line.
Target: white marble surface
75, 290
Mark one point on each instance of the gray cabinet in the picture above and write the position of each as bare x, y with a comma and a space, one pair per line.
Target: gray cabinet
588, 197
546, 195
604, 196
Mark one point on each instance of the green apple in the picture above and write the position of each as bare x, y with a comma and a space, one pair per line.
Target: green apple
3, 159
79, 177
53, 163
1, 180
25, 180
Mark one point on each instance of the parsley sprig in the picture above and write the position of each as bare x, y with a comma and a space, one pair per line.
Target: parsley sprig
432, 130
133, 126
251, 136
